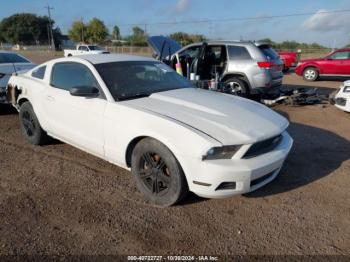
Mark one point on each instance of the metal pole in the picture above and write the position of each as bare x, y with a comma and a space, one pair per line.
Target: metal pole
50, 24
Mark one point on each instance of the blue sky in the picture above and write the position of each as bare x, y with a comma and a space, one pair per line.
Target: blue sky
329, 29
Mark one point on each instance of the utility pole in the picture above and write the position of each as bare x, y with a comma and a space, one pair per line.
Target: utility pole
82, 30
49, 8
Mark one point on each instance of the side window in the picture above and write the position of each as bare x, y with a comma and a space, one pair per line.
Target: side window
192, 52
39, 72
340, 55
238, 53
82, 48
68, 75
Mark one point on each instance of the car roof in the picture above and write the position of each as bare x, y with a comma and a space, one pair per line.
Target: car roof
342, 49
108, 58
223, 42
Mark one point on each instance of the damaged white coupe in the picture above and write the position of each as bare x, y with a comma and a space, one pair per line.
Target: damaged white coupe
141, 115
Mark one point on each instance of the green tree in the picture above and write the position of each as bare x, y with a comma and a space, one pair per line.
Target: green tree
138, 38
97, 31
78, 31
25, 28
116, 33
186, 39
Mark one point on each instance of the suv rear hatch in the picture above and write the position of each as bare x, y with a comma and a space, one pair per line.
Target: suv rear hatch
276, 66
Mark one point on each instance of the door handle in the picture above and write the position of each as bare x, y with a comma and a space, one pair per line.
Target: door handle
50, 98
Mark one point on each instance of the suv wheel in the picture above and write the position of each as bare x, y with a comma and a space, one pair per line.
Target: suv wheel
310, 74
30, 125
158, 174
236, 86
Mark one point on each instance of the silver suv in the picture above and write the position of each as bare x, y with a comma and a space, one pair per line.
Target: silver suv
244, 67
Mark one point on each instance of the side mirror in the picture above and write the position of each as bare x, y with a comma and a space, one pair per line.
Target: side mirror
84, 91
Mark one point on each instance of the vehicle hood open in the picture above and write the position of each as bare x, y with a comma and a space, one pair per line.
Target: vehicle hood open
227, 118
163, 46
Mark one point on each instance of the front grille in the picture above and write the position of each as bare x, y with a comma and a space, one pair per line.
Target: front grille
261, 179
263, 147
340, 101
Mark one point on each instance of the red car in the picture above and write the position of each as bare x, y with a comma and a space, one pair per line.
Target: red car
290, 59
337, 63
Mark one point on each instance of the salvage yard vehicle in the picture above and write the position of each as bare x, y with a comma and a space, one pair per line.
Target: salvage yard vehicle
85, 50
141, 115
244, 67
337, 63
342, 97
10, 63
290, 59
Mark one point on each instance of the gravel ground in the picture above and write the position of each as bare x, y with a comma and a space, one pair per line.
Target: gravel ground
58, 200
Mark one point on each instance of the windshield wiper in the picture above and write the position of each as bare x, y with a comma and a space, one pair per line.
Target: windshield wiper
133, 96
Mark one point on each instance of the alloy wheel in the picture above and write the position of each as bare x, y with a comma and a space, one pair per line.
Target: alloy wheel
154, 173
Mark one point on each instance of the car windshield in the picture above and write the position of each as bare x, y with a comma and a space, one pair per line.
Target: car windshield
94, 47
11, 58
135, 79
269, 52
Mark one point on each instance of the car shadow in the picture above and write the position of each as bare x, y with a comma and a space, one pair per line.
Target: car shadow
7, 109
316, 153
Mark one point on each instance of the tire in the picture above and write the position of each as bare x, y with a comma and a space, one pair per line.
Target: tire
285, 69
30, 126
158, 174
236, 86
310, 74
69, 55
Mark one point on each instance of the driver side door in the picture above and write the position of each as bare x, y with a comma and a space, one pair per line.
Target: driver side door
75, 119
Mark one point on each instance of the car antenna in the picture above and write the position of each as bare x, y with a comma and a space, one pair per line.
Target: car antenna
14, 68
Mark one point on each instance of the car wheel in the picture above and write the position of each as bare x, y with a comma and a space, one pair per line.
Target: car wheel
236, 86
69, 55
30, 125
158, 174
310, 74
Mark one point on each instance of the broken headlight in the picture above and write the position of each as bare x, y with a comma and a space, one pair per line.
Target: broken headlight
224, 152
346, 89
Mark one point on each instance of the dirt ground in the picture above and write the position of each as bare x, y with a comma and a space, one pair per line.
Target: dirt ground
56, 199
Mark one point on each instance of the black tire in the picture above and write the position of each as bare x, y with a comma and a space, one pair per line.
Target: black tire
158, 174
30, 126
285, 69
69, 55
236, 86
310, 74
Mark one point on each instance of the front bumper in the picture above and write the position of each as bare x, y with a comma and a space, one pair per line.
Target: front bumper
245, 174
342, 102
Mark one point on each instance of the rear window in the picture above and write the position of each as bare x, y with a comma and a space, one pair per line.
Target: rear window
11, 58
268, 52
39, 72
238, 53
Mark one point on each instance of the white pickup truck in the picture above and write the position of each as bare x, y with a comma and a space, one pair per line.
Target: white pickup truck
85, 50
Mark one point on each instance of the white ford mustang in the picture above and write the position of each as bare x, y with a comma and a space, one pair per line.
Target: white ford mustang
139, 114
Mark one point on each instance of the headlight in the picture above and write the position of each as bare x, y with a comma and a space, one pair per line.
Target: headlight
346, 89
224, 152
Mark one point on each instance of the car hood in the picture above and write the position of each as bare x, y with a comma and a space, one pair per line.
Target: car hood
228, 119
10, 68
163, 46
